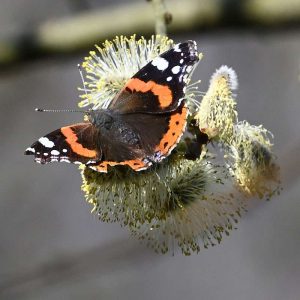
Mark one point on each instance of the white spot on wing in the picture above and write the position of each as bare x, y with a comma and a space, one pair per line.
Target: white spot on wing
64, 160
195, 45
46, 142
90, 162
65, 150
160, 63
46, 154
169, 78
181, 61
30, 150
176, 48
55, 152
175, 70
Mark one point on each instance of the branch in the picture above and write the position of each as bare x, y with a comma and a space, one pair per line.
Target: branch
162, 17
81, 31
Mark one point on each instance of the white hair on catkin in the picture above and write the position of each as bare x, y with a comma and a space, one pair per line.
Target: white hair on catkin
229, 73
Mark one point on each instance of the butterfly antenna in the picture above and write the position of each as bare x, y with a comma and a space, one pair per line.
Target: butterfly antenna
62, 110
82, 79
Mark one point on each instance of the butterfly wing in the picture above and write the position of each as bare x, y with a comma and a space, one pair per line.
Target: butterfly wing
151, 105
76, 143
158, 135
159, 86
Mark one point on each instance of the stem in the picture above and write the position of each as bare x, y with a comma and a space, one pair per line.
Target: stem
162, 17
70, 34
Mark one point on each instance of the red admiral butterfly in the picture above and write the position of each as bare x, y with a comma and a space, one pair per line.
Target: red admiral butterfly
140, 126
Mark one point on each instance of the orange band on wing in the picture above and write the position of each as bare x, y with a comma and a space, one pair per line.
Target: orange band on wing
72, 139
135, 164
176, 126
163, 92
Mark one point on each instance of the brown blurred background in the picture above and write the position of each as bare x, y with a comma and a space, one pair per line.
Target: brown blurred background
52, 247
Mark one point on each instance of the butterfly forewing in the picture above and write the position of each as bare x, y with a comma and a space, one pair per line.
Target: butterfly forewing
159, 86
74, 144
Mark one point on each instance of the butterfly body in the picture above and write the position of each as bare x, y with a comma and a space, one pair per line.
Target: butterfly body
140, 126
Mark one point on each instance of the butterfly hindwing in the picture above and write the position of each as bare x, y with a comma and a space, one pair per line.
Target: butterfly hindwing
159, 133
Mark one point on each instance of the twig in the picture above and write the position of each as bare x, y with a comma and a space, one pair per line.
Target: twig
162, 17
70, 34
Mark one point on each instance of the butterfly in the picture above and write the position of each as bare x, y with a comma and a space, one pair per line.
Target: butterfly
141, 125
